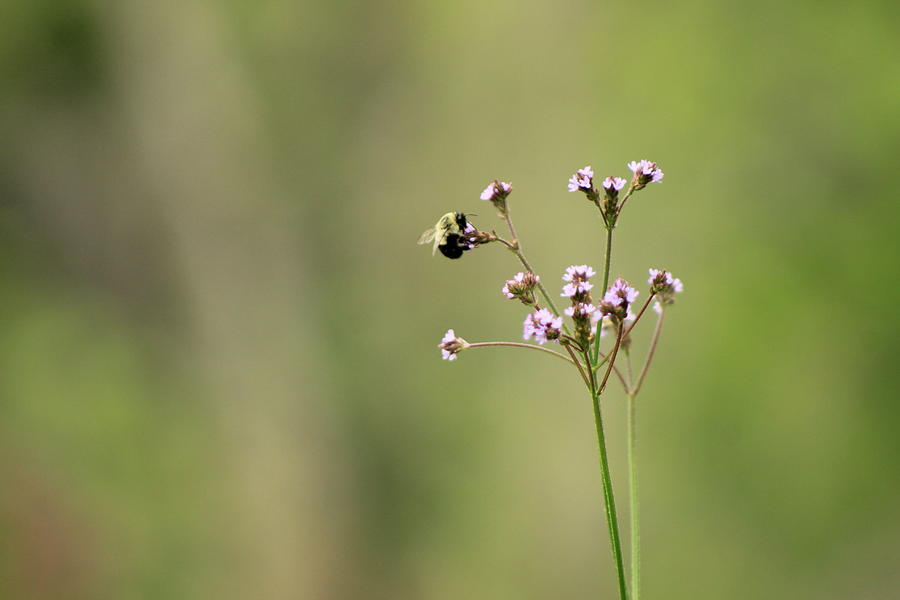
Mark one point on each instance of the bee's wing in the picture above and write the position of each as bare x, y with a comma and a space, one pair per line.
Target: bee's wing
427, 236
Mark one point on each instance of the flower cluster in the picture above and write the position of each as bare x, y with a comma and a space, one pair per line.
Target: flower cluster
451, 345
496, 193
665, 287
577, 278
620, 292
582, 180
645, 172
522, 287
590, 319
617, 299
543, 325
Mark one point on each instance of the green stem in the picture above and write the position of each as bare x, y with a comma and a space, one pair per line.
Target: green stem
634, 505
609, 234
632, 464
609, 501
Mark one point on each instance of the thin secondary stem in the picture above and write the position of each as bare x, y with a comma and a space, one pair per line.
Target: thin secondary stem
609, 501
624, 200
585, 352
612, 358
528, 346
608, 257
640, 314
653, 341
589, 382
504, 214
618, 373
634, 508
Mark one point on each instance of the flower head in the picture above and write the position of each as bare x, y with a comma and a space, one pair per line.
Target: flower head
577, 278
451, 345
496, 191
620, 292
522, 287
659, 280
665, 287
543, 325
585, 315
583, 180
645, 172
617, 300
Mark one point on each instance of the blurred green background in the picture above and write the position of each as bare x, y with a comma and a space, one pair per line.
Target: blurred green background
218, 373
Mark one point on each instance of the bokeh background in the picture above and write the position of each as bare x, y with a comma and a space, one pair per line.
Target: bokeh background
218, 373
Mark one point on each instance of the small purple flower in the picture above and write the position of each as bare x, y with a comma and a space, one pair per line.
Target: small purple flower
451, 345
577, 278
620, 292
496, 191
645, 172
543, 325
583, 180
613, 183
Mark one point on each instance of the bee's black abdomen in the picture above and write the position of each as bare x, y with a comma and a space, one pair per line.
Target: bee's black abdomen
451, 247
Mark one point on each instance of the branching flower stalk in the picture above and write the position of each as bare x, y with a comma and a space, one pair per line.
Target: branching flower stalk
589, 321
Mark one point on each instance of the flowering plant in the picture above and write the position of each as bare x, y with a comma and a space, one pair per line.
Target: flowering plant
589, 320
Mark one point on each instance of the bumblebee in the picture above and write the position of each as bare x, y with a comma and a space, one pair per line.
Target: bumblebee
447, 235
